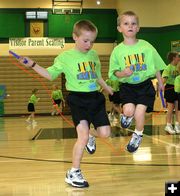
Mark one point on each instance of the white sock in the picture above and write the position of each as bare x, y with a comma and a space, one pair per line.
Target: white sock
138, 132
168, 124
74, 169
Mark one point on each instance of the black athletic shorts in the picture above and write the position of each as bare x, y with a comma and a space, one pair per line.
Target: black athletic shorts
57, 101
115, 98
31, 107
142, 93
88, 106
169, 94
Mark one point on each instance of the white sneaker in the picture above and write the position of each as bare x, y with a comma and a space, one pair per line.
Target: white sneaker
91, 145
28, 120
53, 113
169, 129
177, 128
134, 143
76, 179
125, 121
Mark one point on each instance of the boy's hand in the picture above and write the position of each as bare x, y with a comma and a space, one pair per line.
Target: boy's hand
127, 72
27, 62
160, 86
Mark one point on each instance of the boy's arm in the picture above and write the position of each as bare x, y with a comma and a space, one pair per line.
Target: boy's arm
125, 73
105, 87
37, 68
160, 81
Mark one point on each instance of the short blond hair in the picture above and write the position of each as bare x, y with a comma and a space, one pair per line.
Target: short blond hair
86, 25
127, 13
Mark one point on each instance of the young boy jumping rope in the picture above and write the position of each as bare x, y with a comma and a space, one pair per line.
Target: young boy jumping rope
134, 62
82, 70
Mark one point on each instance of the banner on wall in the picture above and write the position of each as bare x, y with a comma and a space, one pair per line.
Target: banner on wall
36, 43
175, 45
36, 29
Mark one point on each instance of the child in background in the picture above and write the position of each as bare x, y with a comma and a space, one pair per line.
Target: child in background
134, 63
57, 98
177, 90
171, 97
82, 69
31, 106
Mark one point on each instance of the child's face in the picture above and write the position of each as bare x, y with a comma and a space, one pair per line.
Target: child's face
128, 26
176, 59
84, 42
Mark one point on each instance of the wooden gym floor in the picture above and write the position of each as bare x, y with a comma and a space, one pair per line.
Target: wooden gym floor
34, 159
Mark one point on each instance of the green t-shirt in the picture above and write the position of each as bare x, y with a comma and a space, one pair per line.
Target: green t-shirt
170, 73
81, 70
57, 94
114, 84
177, 84
141, 57
33, 99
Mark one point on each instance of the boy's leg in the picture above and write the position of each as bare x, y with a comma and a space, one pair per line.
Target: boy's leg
29, 119
127, 116
169, 127
136, 138
104, 131
33, 118
74, 176
177, 122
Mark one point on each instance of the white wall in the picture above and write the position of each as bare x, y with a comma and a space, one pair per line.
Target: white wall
48, 4
153, 13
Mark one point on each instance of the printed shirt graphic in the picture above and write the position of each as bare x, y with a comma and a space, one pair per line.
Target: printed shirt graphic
114, 84
177, 84
57, 94
33, 99
81, 70
142, 58
170, 73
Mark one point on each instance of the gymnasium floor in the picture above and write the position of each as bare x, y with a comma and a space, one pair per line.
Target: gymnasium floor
34, 159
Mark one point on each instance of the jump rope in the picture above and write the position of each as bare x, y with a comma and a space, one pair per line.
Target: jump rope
57, 109
48, 92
